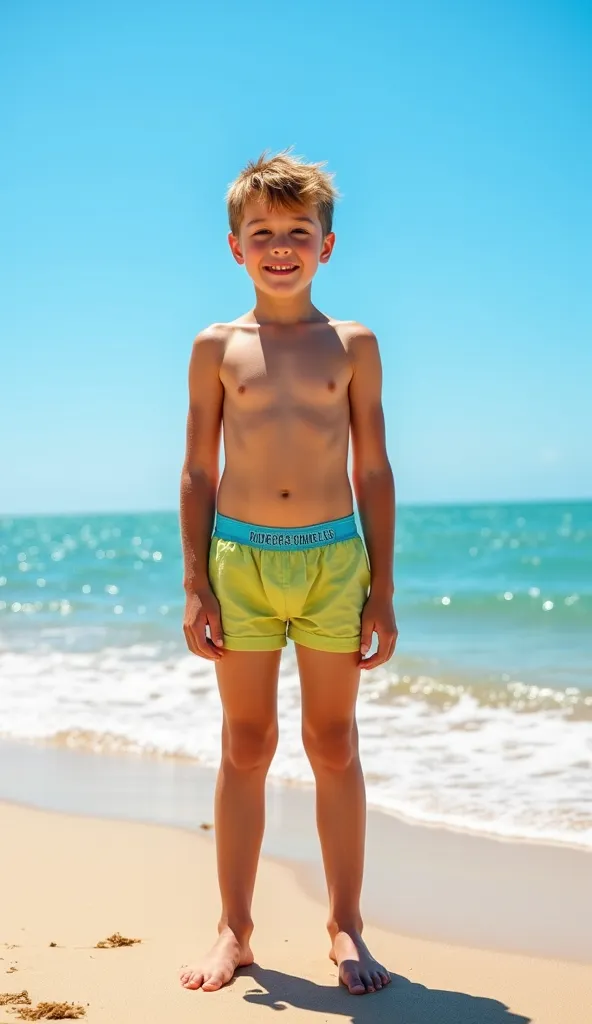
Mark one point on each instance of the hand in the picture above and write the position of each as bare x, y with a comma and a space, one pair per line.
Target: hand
201, 609
378, 616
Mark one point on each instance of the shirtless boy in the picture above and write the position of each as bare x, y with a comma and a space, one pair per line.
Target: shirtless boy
272, 548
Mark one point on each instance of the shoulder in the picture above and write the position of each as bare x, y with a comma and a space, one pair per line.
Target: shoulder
207, 354
358, 340
210, 343
215, 335
218, 335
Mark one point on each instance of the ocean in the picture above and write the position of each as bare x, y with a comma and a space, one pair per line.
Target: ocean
482, 720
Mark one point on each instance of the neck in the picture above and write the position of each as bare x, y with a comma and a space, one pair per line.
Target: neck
291, 310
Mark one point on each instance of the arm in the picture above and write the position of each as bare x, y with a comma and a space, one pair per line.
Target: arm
199, 484
375, 493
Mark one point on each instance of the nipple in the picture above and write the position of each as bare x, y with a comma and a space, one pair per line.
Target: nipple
331, 385
241, 389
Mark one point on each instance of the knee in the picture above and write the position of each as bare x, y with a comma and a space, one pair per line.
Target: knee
248, 746
331, 749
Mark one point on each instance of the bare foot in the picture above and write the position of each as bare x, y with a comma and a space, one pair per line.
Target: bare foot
216, 968
358, 969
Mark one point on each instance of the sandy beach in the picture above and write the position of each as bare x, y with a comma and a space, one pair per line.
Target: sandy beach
75, 880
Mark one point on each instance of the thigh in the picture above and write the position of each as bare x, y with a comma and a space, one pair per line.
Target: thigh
247, 681
329, 682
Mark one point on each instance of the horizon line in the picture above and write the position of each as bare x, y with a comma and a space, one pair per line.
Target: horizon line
400, 505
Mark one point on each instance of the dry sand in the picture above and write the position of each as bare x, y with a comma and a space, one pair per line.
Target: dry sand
76, 881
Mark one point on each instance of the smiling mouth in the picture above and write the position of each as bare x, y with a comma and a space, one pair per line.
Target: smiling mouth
281, 269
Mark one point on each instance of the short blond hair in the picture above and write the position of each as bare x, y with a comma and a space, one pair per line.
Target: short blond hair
282, 181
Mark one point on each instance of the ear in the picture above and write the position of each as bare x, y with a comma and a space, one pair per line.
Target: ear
327, 247
235, 248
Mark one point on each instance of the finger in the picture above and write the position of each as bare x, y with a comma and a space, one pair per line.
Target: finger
376, 658
215, 629
373, 662
201, 642
215, 653
366, 636
395, 639
189, 639
381, 655
389, 649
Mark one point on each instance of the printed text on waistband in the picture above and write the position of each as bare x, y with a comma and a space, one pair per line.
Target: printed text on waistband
286, 539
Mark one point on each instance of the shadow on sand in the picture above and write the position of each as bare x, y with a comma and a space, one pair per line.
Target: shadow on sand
401, 1002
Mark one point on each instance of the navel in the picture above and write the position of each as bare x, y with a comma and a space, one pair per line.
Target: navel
285, 494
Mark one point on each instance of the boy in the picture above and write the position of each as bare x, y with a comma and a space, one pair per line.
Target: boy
287, 383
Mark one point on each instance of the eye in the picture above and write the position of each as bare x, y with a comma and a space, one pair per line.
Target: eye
262, 231
302, 231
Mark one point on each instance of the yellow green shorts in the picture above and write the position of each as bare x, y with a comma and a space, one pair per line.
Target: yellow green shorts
313, 580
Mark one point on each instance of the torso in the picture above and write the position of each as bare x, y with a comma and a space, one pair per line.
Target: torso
286, 422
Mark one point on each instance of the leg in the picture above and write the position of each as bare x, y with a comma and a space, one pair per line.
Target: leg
330, 734
247, 681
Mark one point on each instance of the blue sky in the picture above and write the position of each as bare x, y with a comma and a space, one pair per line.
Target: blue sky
460, 137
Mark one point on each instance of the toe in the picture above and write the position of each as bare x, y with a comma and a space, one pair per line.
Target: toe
192, 979
376, 979
354, 983
367, 981
214, 982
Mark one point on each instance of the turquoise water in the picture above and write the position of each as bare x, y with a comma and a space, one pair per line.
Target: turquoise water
483, 718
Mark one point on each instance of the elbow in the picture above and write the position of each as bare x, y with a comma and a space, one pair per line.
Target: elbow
370, 479
199, 478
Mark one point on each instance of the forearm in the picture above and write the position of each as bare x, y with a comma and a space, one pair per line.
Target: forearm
375, 495
197, 510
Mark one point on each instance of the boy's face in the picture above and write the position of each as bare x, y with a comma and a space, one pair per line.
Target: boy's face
281, 248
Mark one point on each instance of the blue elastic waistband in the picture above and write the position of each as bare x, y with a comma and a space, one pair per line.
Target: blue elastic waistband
278, 538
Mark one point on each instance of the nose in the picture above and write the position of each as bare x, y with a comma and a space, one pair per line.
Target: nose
281, 248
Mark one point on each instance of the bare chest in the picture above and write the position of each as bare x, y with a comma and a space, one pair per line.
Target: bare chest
259, 376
